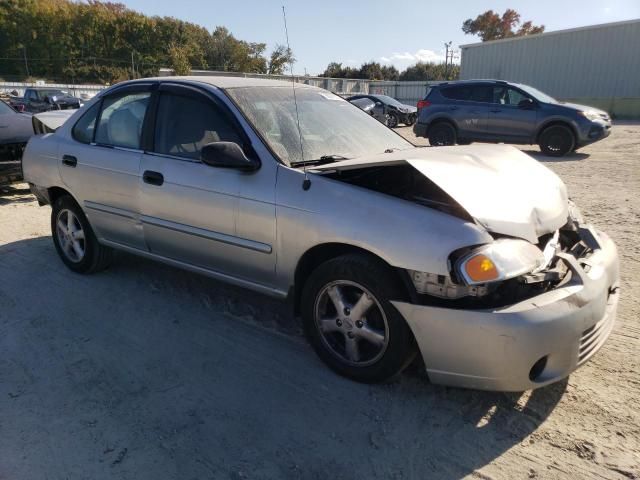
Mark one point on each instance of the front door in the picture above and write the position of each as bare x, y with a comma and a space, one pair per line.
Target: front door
219, 219
100, 164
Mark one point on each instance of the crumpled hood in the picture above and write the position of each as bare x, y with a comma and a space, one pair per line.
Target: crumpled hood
504, 189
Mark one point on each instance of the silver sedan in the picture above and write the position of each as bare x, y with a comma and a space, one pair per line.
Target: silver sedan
472, 257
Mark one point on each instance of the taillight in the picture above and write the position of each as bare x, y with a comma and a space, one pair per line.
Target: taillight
423, 104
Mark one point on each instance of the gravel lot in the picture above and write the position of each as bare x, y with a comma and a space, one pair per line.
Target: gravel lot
148, 372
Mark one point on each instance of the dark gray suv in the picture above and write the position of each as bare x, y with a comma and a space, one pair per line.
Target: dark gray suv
497, 111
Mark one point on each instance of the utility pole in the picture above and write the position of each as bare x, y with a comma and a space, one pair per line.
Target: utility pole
447, 46
26, 64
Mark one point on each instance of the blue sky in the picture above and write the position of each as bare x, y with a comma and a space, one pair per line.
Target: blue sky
397, 32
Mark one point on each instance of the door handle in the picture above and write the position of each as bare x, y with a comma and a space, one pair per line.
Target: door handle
69, 161
152, 178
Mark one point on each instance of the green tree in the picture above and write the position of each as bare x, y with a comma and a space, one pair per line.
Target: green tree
279, 59
179, 60
491, 26
96, 41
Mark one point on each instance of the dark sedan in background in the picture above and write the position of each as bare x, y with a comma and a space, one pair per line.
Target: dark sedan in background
15, 130
394, 111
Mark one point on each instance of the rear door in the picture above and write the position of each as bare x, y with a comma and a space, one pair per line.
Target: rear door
509, 118
468, 106
100, 164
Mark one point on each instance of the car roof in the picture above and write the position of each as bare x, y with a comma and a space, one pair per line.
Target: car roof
225, 82
472, 82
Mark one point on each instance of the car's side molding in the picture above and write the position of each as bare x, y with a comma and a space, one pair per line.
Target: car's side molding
240, 282
208, 234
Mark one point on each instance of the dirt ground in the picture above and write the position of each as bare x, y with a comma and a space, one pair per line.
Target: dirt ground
148, 372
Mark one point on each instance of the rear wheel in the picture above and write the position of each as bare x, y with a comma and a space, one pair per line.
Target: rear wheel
350, 321
74, 239
556, 141
442, 134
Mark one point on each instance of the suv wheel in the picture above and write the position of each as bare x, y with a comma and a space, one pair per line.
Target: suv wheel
350, 321
74, 239
556, 141
442, 134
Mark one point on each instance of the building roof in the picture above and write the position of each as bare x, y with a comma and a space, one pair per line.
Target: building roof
547, 34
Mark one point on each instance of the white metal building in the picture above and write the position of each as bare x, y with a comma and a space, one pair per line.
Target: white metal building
597, 65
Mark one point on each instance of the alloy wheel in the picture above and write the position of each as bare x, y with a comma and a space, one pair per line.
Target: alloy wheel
351, 322
71, 236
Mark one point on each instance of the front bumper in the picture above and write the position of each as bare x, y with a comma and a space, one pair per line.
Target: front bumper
526, 345
593, 131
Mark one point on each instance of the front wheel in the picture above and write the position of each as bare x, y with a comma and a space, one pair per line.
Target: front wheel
392, 120
350, 321
556, 141
411, 119
74, 239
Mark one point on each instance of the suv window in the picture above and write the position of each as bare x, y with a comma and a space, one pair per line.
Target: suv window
83, 129
481, 93
185, 124
457, 93
507, 96
121, 120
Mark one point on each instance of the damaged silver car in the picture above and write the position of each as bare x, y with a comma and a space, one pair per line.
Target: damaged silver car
472, 257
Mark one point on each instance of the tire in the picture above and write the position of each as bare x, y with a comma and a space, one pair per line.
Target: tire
462, 141
442, 134
74, 239
556, 141
411, 119
392, 120
374, 346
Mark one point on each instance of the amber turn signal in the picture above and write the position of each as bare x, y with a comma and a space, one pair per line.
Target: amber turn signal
480, 268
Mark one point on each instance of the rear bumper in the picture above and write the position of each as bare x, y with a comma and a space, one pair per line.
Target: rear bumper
527, 345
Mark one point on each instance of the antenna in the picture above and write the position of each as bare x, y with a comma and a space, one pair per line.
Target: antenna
307, 183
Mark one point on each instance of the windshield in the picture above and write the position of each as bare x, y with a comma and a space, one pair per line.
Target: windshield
537, 94
389, 101
331, 127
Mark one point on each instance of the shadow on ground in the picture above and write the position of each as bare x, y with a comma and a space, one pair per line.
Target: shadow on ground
146, 371
14, 194
571, 157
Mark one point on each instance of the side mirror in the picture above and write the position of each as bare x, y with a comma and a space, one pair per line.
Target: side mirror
526, 103
227, 155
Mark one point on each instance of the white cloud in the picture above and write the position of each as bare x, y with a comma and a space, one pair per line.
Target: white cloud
422, 55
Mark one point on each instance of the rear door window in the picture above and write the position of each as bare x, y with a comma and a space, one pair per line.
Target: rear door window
482, 94
457, 93
121, 120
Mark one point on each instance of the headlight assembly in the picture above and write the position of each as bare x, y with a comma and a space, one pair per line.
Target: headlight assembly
497, 261
590, 115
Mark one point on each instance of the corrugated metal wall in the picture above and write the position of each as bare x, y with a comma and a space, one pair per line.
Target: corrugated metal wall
601, 61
